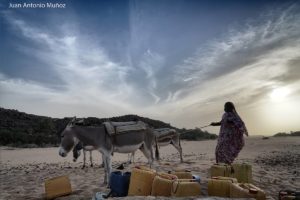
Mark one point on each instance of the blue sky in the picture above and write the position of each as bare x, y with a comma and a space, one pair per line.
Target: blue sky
176, 61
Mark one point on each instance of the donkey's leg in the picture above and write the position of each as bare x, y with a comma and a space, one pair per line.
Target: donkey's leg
91, 158
147, 153
156, 146
103, 160
84, 158
131, 158
102, 164
107, 168
176, 143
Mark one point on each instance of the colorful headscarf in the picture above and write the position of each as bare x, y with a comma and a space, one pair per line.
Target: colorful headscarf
237, 122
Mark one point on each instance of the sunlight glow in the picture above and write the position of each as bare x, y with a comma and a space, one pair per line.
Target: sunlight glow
279, 94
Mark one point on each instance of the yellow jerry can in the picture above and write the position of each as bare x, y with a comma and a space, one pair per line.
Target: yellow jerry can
182, 174
185, 188
141, 180
220, 186
246, 190
220, 169
162, 184
242, 172
57, 186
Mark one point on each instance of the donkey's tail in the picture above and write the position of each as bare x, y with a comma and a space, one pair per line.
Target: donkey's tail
156, 149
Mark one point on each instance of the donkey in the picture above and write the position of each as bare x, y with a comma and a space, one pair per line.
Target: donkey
99, 138
165, 136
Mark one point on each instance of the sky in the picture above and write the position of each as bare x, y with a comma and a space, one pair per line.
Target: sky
177, 61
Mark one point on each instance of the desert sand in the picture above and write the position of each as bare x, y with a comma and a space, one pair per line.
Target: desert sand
275, 164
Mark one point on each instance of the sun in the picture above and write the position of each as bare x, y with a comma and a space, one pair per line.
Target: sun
279, 94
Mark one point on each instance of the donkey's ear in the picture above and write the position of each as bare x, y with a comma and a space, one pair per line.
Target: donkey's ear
72, 121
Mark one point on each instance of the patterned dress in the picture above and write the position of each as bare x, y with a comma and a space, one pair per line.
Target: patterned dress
231, 140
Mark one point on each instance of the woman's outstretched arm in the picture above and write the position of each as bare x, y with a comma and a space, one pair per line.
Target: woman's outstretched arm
215, 124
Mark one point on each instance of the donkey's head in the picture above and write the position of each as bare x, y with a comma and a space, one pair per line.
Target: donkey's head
68, 139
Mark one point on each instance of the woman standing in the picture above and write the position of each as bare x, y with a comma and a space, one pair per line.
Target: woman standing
231, 140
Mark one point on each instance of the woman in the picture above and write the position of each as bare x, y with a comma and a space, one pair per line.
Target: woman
231, 140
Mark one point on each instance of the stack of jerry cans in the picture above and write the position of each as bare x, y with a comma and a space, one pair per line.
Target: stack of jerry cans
241, 188
145, 181
242, 172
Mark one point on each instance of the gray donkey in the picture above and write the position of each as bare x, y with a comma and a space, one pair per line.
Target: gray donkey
100, 138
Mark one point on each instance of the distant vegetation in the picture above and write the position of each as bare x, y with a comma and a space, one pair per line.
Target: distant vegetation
20, 129
26, 130
196, 134
282, 134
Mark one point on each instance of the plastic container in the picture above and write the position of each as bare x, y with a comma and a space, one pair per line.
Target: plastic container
119, 183
162, 184
197, 178
182, 174
246, 190
141, 181
242, 172
220, 186
220, 169
58, 186
185, 188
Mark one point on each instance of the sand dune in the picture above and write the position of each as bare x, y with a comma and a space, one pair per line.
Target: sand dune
23, 171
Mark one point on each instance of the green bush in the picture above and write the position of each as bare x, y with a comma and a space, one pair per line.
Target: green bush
283, 134
196, 134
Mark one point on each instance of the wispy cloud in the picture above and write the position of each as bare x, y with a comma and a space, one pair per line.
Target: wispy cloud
244, 66
267, 46
88, 74
151, 63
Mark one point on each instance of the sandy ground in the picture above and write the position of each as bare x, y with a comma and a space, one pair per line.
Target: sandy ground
275, 164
